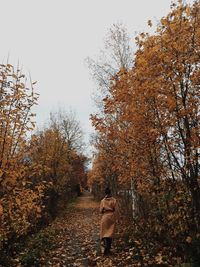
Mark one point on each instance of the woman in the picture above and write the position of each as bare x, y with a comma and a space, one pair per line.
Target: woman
107, 225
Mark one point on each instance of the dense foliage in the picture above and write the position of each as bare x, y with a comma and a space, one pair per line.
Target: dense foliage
39, 174
148, 138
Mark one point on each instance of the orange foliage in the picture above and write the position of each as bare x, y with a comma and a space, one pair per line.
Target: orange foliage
35, 173
148, 133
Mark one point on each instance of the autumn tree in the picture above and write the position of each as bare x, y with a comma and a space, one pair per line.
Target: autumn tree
116, 57
17, 200
57, 151
38, 172
150, 116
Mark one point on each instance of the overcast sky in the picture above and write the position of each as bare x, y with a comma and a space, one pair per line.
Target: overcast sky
52, 38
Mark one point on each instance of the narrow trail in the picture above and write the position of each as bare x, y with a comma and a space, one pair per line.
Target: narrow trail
77, 239
77, 235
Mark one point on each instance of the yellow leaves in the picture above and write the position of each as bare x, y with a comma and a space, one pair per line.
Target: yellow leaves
164, 22
9, 66
24, 183
150, 136
35, 170
38, 209
1, 209
171, 102
1, 173
142, 35
150, 23
18, 201
189, 239
188, 10
138, 242
14, 76
159, 258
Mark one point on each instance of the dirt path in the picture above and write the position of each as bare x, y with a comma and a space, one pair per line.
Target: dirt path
77, 240
77, 235
72, 240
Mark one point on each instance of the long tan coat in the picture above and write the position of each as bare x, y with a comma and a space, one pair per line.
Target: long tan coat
108, 219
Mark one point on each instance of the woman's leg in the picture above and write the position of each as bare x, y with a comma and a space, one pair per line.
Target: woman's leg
107, 242
105, 239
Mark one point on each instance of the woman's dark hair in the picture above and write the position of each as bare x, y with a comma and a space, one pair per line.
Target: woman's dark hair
107, 191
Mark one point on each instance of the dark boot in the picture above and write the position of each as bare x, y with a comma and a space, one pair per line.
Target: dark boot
109, 241
107, 244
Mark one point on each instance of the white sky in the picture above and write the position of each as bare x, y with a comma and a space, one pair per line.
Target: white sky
52, 38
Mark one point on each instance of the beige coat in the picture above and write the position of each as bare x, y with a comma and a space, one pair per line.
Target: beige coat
108, 211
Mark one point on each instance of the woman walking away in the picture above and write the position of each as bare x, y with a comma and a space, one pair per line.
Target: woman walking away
108, 219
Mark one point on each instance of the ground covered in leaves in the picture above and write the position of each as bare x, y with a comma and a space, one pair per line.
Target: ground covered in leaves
72, 239
78, 239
